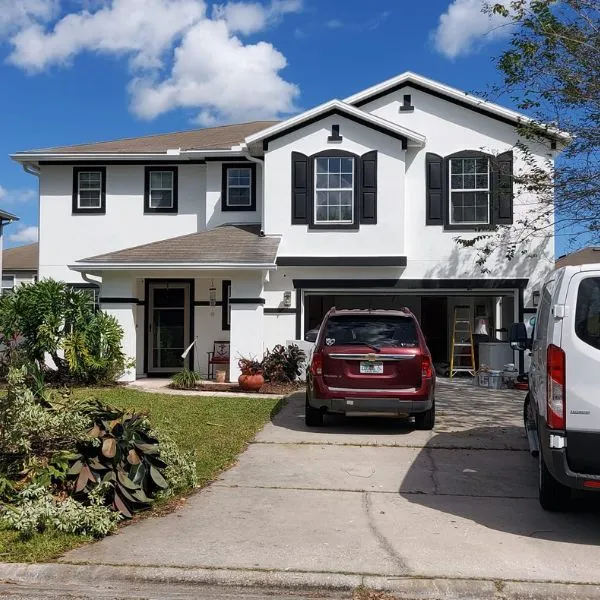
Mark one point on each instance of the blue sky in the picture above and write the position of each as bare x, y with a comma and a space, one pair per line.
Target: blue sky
76, 71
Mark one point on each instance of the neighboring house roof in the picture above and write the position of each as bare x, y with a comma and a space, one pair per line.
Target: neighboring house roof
21, 258
211, 138
6, 216
341, 108
418, 82
591, 254
233, 246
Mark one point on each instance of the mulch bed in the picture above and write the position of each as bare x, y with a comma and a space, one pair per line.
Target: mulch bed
268, 388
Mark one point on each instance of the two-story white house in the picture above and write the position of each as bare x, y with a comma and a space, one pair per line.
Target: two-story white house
251, 232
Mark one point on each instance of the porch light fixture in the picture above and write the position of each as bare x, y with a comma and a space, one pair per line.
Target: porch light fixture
287, 299
212, 294
535, 298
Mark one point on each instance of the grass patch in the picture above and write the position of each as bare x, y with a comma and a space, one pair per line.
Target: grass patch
216, 430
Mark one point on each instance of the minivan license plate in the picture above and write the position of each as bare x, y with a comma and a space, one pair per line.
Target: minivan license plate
371, 368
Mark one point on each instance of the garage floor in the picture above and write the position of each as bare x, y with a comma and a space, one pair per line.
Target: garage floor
377, 498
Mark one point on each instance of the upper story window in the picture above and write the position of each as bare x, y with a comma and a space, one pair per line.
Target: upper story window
334, 190
160, 190
239, 187
89, 190
469, 191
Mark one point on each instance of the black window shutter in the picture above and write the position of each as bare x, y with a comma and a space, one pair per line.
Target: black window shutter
436, 185
368, 188
503, 192
300, 188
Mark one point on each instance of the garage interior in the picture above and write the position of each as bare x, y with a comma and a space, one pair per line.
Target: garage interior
491, 314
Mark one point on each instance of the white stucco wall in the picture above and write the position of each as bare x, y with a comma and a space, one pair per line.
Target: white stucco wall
66, 237
385, 238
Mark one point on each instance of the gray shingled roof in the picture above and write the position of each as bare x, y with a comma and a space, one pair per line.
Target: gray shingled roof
226, 244
211, 138
21, 258
591, 254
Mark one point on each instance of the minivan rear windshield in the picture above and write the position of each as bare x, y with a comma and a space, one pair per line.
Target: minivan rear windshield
372, 330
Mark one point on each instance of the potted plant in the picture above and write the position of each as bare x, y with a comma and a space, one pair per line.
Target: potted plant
251, 378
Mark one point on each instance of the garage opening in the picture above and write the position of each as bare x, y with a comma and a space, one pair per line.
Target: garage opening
491, 315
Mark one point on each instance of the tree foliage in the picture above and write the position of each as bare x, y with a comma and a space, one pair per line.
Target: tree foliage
50, 317
551, 70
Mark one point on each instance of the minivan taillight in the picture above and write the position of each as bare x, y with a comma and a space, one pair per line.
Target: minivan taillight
316, 366
555, 387
426, 367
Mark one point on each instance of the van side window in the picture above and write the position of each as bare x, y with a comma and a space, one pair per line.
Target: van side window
587, 314
541, 324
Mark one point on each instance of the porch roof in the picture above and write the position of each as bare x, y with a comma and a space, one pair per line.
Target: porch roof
227, 246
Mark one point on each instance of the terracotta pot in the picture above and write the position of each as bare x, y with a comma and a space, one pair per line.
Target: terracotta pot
251, 383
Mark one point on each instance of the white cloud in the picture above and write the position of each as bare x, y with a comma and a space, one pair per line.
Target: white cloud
24, 235
229, 80
16, 196
464, 28
334, 24
15, 14
179, 56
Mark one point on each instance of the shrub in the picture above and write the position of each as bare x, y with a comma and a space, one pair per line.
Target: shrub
250, 366
180, 472
50, 317
37, 510
185, 380
283, 365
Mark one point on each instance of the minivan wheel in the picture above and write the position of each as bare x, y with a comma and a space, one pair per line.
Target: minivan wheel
426, 420
554, 496
313, 417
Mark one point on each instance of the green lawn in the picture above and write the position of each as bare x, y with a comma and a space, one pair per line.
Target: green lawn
215, 429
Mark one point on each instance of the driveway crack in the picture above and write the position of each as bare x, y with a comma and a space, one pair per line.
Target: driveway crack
380, 537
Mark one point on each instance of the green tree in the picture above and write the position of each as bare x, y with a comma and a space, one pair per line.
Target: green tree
551, 70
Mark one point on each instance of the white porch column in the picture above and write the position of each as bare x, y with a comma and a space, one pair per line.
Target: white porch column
246, 323
119, 289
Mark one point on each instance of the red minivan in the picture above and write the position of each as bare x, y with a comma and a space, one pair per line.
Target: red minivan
370, 363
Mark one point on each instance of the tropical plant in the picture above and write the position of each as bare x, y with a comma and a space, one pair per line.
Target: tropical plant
50, 317
180, 472
185, 380
36, 510
250, 366
283, 364
123, 454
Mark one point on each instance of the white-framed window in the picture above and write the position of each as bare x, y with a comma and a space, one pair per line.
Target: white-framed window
239, 187
334, 190
89, 189
469, 191
161, 192
8, 284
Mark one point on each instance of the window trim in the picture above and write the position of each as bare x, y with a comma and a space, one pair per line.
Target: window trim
173, 209
97, 210
312, 222
447, 225
487, 190
340, 189
225, 305
225, 207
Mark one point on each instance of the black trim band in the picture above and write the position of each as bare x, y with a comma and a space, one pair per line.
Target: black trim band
247, 300
113, 300
341, 261
335, 111
280, 311
82, 163
411, 284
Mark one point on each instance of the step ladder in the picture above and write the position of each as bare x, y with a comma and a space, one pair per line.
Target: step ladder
463, 354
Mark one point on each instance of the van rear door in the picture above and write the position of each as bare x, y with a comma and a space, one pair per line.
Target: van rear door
581, 344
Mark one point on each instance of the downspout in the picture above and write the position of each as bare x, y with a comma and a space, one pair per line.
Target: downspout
87, 278
31, 169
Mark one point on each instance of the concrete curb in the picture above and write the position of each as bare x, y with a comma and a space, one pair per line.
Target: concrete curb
413, 588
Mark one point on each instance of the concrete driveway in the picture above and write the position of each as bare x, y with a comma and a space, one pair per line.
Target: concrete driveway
376, 498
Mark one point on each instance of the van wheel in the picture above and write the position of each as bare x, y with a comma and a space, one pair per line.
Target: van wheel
313, 417
554, 496
426, 420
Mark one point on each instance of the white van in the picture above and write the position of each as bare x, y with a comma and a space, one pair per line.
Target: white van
562, 409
